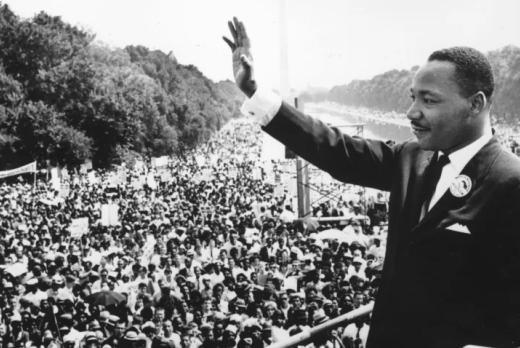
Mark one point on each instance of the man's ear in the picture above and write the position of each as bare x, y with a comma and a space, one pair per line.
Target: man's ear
478, 102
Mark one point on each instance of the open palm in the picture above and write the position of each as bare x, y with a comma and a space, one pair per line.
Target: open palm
242, 59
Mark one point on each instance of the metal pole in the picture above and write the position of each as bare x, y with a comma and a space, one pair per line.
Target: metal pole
306, 336
302, 180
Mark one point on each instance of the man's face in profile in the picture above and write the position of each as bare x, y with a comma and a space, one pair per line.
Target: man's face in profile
440, 115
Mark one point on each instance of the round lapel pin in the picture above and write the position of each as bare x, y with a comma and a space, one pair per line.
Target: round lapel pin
461, 186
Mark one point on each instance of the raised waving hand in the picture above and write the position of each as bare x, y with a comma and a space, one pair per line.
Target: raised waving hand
242, 60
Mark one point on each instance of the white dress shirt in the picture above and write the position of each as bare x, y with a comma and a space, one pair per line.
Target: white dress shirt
262, 106
458, 161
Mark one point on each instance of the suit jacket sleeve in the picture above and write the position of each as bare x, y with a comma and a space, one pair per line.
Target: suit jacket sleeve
349, 159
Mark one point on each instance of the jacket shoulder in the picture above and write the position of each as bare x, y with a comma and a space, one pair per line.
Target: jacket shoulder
507, 168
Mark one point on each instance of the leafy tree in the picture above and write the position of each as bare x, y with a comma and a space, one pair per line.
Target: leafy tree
43, 135
65, 99
29, 47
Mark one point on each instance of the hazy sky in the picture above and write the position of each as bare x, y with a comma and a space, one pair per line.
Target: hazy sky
330, 42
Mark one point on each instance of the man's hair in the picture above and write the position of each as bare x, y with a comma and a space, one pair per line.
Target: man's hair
473, 73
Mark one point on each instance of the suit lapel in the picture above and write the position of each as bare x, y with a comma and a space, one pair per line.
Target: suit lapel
476, 169
415, 191
412, 197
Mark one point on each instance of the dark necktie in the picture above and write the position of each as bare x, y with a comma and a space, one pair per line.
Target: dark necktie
433, 175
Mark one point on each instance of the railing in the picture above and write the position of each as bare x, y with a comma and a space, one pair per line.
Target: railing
307, 336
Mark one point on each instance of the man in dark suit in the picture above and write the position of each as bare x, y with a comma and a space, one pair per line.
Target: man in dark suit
451, 275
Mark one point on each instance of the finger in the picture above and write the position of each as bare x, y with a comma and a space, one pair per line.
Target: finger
243, 35
245, 38
238, 31
230, 43
232, 30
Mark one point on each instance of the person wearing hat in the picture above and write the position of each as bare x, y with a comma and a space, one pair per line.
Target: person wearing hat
229, 336
147, 311
48, 340
94, 325
118, 332
358, 268
269, 309
297, 304
239, 305
328, 338
133, 339
283, 304
68, 342
150, 332
91, 340
16, 333
319, 317
207, 336
268, 250
103, 278
205, 286
56, 286
300, 322
108, 322
245, 342
168, 275
67, 331
33, 294
165, 299
187, 340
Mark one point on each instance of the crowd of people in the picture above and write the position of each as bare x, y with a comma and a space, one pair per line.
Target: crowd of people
211, 260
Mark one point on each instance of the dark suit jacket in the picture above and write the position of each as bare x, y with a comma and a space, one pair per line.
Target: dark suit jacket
439, 288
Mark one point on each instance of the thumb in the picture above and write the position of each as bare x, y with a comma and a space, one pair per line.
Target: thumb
246, 62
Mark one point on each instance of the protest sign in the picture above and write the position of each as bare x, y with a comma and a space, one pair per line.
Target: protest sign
28, 168
92, 178
206, 174
257, 173
85, 167
290, 283
150, 181
55, 179
78, 227
158, 162
200, 160
166, 176
64, 190
110, 214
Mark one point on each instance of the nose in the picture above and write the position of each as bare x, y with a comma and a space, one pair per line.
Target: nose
413, 112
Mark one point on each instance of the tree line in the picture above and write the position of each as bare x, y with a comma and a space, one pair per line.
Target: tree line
65, 98
390, 91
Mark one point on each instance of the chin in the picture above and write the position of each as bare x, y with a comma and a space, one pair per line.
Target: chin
427, 145
424, 144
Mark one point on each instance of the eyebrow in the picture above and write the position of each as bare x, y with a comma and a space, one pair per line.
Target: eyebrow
426, 91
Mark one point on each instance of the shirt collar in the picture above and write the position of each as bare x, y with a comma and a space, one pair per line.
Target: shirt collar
461, 157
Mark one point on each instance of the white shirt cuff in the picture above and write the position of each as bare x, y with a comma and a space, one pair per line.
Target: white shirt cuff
262, 106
